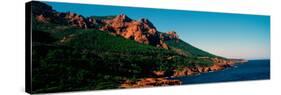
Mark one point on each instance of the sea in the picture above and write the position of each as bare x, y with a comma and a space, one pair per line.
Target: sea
251, 70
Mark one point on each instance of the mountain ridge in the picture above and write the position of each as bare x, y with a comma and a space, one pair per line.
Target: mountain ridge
104, 52
142, 31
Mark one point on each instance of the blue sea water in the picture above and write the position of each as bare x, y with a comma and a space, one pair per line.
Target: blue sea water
251, 70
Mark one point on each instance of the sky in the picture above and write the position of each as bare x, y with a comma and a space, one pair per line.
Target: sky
228, 35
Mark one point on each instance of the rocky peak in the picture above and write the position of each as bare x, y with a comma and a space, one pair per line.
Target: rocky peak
41, 11
122, 18
44, 13
172, 35
147, 22
76, 20
142, 31
39, 8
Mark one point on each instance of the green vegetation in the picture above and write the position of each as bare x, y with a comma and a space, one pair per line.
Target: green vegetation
67, 58
188, 49
89, 59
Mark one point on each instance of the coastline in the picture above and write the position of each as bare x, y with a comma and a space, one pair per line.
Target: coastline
162, 79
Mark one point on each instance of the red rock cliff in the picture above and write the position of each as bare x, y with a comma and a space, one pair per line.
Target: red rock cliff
142, 31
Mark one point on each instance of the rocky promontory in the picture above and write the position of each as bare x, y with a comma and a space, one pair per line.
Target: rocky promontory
161, 76
149, 82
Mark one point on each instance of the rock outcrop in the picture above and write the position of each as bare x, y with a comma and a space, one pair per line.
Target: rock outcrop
149, 82
75, 20
41, 18
160, 80
171, 35
142, 31
44, 13
219, 64
41, 11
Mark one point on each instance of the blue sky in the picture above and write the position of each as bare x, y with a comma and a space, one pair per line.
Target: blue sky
228, 35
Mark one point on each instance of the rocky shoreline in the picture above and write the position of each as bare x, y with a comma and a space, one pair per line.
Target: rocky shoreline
161, 78
149, 82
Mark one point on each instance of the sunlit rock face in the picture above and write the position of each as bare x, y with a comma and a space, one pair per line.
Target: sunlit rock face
142, 31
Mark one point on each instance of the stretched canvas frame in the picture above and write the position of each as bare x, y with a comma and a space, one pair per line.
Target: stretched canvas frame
72, 50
